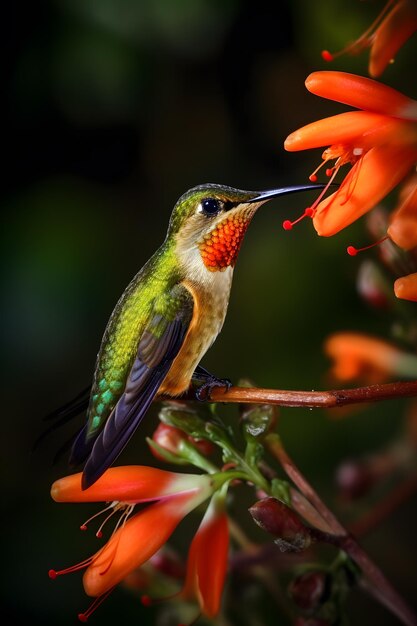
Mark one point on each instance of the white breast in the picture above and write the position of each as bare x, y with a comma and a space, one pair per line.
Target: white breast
211, 291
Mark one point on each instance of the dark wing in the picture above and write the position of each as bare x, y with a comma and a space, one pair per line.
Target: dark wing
159, 345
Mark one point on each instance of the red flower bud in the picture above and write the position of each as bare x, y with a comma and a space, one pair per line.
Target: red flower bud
167, 437
171, 439
277, 518
354, 479
308, 591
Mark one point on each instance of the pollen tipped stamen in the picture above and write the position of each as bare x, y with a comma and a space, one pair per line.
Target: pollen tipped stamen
114, 508
335, 169
352, 251
313, 175
364, 41
99, 532
327, 56
68, 570
288, 225
83, 617
84, 526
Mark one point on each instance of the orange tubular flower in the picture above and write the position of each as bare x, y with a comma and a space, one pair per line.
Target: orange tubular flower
380, 141
207, 559
386, 35
403, 231
403, 221
135, 539
360, 357
130, 483
406, 287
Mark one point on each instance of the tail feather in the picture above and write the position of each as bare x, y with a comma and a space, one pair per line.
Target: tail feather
71, 408
64, 414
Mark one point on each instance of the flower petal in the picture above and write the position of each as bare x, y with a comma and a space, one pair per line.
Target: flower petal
136, 541
393, 32
370, 179
362, 93
406, 287
207, 559
355, 128
131, 483
403, 222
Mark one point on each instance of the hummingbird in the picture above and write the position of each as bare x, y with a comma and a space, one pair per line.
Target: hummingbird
166, 319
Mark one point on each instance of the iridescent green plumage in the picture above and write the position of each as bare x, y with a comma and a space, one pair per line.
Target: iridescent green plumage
124, 329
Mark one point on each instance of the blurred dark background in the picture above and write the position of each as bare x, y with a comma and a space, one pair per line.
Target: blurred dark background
111, 111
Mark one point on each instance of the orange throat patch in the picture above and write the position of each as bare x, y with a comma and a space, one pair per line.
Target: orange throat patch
220, 247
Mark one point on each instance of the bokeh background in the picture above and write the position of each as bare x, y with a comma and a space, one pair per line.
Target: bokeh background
112, 110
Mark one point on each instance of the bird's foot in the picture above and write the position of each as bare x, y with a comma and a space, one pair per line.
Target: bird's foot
203, 393
209, 382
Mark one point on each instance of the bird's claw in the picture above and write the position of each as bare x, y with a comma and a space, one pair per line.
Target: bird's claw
203, 393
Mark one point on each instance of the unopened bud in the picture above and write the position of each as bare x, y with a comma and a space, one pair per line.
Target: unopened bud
172, 439
354, 479
308, 591
169, 438
276, 518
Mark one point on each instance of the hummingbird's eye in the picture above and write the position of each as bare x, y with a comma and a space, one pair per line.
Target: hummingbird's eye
210, 206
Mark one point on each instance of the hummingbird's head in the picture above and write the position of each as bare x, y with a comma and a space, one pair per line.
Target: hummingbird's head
208, 222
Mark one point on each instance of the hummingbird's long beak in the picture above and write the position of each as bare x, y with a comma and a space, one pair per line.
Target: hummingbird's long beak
283, 191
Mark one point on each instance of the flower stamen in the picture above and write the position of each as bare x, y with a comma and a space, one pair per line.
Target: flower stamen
335, 170
128, 509
287, 224
114, 508
83, 617
331, 173
352, 251
364, 41
313, 175
84, 525
53, 573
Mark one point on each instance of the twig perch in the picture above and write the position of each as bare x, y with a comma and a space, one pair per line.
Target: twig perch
313, 399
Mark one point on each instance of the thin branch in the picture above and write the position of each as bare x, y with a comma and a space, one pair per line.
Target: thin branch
275, 446
313, 399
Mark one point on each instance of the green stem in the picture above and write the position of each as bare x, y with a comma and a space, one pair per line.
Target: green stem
252, 474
